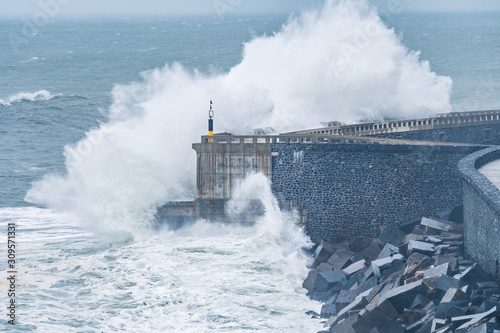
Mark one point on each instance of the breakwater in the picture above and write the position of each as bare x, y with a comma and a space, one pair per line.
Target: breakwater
481, 210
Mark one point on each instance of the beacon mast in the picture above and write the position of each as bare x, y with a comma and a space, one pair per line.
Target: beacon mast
211, 124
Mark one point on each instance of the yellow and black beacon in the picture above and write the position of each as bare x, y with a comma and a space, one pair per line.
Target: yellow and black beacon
211, 124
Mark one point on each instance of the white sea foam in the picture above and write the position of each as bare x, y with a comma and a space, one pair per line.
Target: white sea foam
31, 60
336, 63
42, 95
205, 277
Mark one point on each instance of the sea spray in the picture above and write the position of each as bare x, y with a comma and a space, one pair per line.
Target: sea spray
317, 68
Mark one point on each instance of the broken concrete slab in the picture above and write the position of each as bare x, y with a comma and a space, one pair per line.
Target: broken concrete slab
438, 270
483, 328
381, 264
451, 310
454, 294
388, 250
358, 303
476, 318
355, 267
473, 274
402, 297
435, 224
421, 247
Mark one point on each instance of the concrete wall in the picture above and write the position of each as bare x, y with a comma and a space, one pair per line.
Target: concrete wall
222, 166
356, 188
481, 211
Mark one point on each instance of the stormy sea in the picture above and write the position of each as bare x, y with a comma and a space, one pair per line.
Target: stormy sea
97, 118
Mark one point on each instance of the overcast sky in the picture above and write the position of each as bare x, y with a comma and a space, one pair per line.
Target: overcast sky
28, 8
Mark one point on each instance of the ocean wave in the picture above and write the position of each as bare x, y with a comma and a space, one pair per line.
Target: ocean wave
42, 95
31, 60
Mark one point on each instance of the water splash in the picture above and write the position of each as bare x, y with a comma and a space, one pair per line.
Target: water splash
336, 63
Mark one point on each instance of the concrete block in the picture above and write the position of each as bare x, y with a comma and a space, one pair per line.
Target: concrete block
353, 268
476, 318
324, 267
421, 247
454, 294
326, 280
438, 270
359, 244
473, 274
372, 252
391, 234
381, 264
378, 317
340, 258
388, 251
435, 224
402, 297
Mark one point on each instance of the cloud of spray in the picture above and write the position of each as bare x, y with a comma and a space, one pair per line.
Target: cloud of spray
336, 63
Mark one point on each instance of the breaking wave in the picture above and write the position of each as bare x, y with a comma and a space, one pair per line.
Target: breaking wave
339, 62
42, 95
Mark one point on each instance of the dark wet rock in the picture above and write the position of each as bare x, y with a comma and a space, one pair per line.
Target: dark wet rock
312, 314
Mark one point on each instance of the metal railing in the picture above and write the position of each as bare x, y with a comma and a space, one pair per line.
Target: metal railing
394, 126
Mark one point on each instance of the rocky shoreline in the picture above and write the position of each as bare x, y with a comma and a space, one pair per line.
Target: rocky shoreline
415, 278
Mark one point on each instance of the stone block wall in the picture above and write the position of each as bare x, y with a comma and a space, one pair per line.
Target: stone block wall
481, 211
355, 188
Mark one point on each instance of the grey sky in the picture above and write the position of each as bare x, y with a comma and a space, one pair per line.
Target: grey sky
27, 8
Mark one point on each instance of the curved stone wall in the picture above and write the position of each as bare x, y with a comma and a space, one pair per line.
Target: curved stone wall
481, 210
